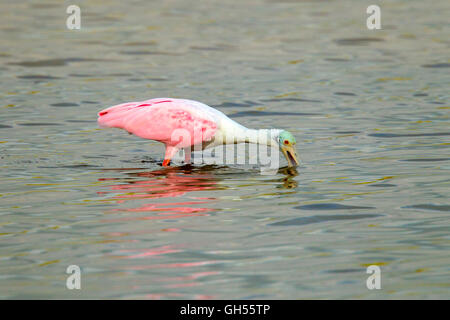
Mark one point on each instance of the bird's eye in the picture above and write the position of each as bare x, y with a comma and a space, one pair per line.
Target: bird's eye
286, 141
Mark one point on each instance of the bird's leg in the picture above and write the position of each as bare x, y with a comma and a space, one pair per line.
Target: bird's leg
170, 152
187, 155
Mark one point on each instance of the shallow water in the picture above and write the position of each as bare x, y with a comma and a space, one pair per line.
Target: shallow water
369, 110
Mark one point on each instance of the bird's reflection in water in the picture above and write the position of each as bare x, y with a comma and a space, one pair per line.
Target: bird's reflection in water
173, 182
169, 182
159, 190
152, 195
288, 181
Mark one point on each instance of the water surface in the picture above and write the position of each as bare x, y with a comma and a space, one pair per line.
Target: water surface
369, 110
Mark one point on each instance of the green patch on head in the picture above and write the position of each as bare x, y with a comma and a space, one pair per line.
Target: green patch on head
286, 138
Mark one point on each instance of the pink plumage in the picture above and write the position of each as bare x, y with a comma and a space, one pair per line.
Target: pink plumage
159, 119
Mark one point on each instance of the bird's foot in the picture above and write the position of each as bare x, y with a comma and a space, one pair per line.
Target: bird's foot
166, 163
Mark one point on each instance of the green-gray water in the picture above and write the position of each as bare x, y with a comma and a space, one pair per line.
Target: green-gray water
369, 110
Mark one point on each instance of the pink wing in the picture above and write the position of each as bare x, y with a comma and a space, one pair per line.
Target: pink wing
171, 121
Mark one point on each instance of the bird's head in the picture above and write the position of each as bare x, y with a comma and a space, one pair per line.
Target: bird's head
286, 142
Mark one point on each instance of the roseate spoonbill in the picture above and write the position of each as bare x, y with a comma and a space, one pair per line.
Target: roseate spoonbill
158, 119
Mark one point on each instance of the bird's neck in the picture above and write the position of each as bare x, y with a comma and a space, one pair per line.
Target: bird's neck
262, 136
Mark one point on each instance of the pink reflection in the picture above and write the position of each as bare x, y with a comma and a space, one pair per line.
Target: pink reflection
180, 282
173, 265
173, 216
159, 296
154, 252
183, 285
193, 276
165, 183
157, 186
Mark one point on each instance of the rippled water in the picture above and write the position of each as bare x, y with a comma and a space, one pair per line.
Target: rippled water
369, 110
